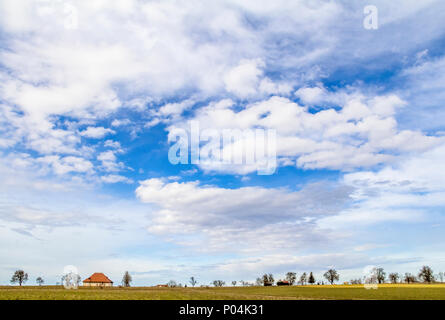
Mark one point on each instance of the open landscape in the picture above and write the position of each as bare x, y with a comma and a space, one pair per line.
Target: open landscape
289, 153
327, 292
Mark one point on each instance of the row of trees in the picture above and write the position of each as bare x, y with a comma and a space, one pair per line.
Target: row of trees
291, 277
267, 280
378, 275
21, 277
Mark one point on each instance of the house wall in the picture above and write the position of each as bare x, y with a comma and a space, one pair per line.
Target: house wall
97, 284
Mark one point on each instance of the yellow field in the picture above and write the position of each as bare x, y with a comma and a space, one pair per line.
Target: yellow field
384, 292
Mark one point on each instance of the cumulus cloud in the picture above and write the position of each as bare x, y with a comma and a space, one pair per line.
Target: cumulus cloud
404, 192
67, 164
120, 122
362, 133
96, 132
255, 216
109, 161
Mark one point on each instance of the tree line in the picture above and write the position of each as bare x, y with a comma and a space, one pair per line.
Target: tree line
21, 277
376, 275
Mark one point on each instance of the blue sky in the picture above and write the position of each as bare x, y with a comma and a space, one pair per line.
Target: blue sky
90, 91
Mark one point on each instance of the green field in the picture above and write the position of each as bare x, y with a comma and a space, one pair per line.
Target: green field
384, 292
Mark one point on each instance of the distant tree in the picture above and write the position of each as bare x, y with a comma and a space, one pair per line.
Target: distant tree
303, 279
78, 280
331, 275
126, 279
268, 279
258, 282
193, 281
426, 274
172, 284
440, 276
19, 277
393, 277
234, 283
291, 277
311, 279
380, 275
356, 281
218, 283
409, 278
40, 281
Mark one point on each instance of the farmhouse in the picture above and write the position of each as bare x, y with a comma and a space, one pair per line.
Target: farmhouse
283, 283
97, 280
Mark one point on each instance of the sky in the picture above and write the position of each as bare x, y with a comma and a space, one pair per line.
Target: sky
91, 93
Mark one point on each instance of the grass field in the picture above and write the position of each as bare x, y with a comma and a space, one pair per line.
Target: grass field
384, 292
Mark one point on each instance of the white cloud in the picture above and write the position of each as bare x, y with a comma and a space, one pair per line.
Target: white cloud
362, 133
311, 95
243, 79
404, 192
113, 178
96, 132
113, 144
261, 218
118, 122
109, 161
68, 164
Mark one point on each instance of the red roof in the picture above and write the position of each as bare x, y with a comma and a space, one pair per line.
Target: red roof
98, 277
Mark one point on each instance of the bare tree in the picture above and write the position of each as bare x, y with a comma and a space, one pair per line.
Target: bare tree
356, 281
440, 276
409, 278
303, 279
331, 275
40, 281
426, 274
19, 277
126, 279
218, 283
172, 284
258, 282
393, 277
291, 277
234, 283
380, 275
193, 281
268, 279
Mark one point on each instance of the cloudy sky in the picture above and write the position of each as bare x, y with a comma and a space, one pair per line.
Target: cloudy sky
91, 91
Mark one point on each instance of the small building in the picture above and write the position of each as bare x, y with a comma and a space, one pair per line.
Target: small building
97, 280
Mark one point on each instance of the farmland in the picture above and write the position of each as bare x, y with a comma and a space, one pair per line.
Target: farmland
384, 292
